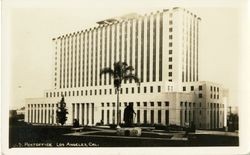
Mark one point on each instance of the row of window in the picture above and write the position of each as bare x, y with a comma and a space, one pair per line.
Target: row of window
83, 112
45, 116
91, 51
42, 105
190, 116
190, 46
214, 89
138, 104
187, 104
141, 116
211, 105
184, 88
214, 96
215, 105
170, 44
200, 88
105, 91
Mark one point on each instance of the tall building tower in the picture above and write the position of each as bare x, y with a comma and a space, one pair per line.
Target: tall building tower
163, 48
183, 44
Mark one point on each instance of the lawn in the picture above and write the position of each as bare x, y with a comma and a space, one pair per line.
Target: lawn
53, 136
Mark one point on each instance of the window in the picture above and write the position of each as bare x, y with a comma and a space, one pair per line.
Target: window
144, 104
218, 89
110, 91
132, 90
194, 104
159, 104
145, 116
169, 66
217, 96
214, 88
138, 89
170, 22
46, 94
211, 88
170, 36
107, 116
166, 103
107, 104
82, 93
181, 104
151, 89
211, 95
77, 93
145, 89
184, 88
102, 104
159, 116
95, 91
200, 112
113, 104
166, 117
152, 104
170, 44
66, 93
105, 91
86, 92
169, 73
100, 92
126, 90
185, 104
200, 87
125, 104
138, 104
152, 116
189, 104
200, 104
192, 88
73, 93
102, 115
138, 116
214, 96
159, 88
170, 29
170, 51
121, 91
170, 80
90, 92
170, 59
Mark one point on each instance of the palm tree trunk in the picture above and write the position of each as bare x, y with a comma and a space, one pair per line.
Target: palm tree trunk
118, 107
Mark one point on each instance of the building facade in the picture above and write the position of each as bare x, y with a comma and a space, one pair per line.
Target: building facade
163, 48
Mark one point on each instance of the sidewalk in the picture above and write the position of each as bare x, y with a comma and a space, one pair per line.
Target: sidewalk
147, 135
222, 133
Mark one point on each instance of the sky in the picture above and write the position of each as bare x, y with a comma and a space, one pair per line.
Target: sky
31, 29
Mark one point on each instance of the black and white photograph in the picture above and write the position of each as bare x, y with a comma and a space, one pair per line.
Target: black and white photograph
124, 75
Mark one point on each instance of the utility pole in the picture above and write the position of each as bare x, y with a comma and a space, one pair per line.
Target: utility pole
230, 108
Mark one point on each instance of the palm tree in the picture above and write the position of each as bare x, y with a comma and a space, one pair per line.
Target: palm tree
120, 73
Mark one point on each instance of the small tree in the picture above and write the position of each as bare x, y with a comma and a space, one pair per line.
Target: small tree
62, 112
